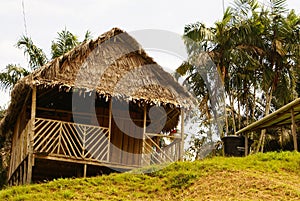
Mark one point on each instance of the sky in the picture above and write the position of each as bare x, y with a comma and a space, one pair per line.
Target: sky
47, 17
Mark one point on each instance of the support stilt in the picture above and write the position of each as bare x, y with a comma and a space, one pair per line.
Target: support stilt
182, 135
294, 134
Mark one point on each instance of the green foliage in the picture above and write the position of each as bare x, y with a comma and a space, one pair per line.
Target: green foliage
256, 50
182, 180
10, 75
2, 113
3, 171
88, 36
64, 43
37, 57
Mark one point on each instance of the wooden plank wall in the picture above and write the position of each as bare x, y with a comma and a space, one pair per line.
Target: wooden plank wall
126, 140
20, 141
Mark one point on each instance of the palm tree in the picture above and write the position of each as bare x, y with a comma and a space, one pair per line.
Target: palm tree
256, 50
226, 46
36, 57
12, 72
217, 42
65, 42
281, 55
10, 76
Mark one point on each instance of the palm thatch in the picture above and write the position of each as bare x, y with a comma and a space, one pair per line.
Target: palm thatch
113, 65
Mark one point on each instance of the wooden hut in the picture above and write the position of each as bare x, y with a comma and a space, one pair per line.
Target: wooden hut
64, 122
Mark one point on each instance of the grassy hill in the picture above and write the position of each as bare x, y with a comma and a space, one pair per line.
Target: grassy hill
270, 176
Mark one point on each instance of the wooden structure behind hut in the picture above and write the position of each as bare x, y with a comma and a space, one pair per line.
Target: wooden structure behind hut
91, 109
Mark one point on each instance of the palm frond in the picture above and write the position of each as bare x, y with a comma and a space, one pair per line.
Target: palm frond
10, 76
278, 7
64, 43
87, 36
37, 57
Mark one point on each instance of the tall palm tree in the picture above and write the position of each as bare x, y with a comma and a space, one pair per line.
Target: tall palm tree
256, 50
217, 42
280, 57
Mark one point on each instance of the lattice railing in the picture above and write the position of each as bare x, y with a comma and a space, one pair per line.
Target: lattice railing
80, 141
154, 154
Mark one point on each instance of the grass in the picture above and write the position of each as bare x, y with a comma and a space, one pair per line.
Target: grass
270, 176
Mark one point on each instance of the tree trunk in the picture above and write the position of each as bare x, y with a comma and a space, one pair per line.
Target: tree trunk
231, 99
267, 111
282, 130
254, 105
247, 110
226, 121
239, 114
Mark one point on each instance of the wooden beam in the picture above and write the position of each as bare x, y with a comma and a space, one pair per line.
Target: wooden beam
246, 144
109, 128
145, 121
30, 162
84, 170
280, 123
182, 135
84, 114
88, 162
144, 131
25, 171
163, 135
33, 104
294, 129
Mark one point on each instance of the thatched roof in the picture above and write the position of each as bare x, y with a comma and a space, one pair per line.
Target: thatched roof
114, 65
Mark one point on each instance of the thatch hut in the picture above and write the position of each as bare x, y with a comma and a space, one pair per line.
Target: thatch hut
90, 109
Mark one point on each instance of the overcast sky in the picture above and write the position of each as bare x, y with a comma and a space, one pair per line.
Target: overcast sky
44, 18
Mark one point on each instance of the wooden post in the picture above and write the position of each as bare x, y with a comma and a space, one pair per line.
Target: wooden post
181, 151
31, 135
246, 144
24, 171
84, 141
17, 173
84, 170
145, 120
109, 129
144, 130
263, 141
59, 138
21, 173
294, 129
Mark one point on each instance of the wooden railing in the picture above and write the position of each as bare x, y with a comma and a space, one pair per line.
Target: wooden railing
155, 154
91, 143
71, 140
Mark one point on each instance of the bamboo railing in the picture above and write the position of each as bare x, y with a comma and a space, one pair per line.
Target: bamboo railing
87, 142
155, 154
71, 140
